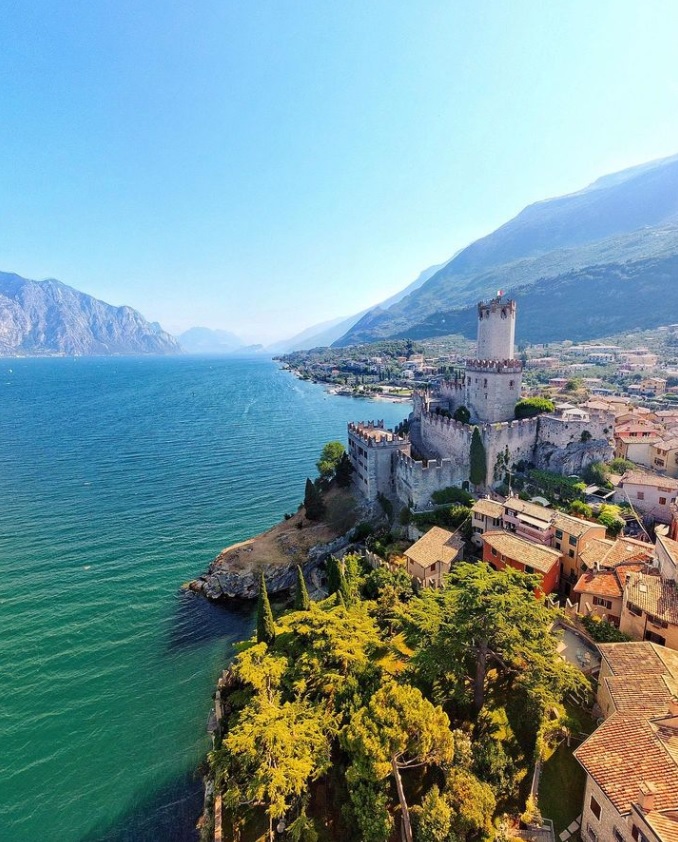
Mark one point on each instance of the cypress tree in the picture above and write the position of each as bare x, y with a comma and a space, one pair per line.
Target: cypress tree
344, 590
265, 626
478, 472
313, 501
333, 575
301, 598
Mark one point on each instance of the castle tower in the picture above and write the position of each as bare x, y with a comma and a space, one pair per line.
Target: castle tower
494, 377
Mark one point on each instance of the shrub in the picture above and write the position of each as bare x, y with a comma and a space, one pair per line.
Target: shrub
462, 414
452, 495
529, 407
610, 517
577, 507
620, 466
602, 631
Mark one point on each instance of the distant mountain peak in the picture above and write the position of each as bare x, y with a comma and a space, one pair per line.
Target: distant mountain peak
49, 317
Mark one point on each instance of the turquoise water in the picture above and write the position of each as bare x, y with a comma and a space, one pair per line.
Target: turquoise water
119, 480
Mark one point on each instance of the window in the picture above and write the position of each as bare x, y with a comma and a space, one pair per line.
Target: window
557, 545
571, 553
618, 836
651, 637
662, 501
638, 834
595, 807
591, 833
659, 462
494, 552
573, 541
529, 569
559, 533
511, 384
634, 609
640, 495
485, 383
604, 603
657, 621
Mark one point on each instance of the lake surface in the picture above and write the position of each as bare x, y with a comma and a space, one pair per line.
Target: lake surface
120, 479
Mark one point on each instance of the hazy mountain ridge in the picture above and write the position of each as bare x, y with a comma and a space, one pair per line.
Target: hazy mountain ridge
631, 215
205, 340
49, 317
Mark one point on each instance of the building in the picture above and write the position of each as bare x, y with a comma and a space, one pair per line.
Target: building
502, 549
572, 536
600, 592
663, 456
433, 555
486, 515
488, 388
650, 609
631, 760
648, 493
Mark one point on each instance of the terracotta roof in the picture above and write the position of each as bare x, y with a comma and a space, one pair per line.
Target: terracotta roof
670, 546
606, 553
572, 525
641, 694
515, 504
518, 549
643, 478
654, 596
634, 658
665, 824
435, 545
599, 583
625, 752
667, 444
595, 549
490, 508
629, 438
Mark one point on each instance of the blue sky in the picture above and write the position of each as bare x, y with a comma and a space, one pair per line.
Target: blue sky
262, 166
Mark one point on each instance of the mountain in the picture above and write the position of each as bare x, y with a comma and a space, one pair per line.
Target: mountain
324, 334
204, 340
48, 317
623, 226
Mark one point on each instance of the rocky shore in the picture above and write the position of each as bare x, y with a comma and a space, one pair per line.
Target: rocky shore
234, 573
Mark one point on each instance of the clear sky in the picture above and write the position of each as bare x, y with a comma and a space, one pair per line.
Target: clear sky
262, 166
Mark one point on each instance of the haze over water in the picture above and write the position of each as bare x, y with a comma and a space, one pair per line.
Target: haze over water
119, 480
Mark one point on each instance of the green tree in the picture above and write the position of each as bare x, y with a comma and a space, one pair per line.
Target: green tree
343, 471
478, 472
399, 729
313, 501
330, 458
578, 507
333, 575
436, 817
265, 625
620, 466
270, 756
462, 414
473, 804
610, 517
370, 809
489, 619
301, 598
529, 407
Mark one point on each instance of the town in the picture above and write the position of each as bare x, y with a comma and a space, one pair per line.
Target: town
583, 494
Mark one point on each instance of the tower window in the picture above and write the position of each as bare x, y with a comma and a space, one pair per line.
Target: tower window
511, 384
485, 383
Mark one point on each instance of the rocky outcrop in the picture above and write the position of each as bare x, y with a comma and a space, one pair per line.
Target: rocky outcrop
226, 578
48, 318
573, 458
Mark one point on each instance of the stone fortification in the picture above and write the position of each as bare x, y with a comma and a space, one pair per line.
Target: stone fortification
496, 329
492, 389
416, 481
371, 449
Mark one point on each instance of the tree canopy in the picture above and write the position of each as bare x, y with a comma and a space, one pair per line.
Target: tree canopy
529, 407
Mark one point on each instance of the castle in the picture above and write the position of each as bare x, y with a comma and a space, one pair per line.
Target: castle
436, 451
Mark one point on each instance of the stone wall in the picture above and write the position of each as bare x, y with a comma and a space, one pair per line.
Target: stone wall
492, 389
415, 481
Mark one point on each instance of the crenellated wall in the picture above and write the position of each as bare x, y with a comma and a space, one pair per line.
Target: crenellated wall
496, 329
371, 449
415, 481
492, 389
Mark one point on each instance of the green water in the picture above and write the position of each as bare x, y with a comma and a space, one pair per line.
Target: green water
119, 480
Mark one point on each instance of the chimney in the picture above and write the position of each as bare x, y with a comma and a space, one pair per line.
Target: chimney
646, 796
673, 706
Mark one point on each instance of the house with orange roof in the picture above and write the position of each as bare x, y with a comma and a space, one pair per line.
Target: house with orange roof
631, 760
650, 609
432, 556
648, 493
501, 549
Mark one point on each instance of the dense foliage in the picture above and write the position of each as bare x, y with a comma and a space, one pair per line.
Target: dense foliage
529, 407
602, 631
379, 711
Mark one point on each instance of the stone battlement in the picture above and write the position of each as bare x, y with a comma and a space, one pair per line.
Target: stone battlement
451, 424
374, 434
504, 308
499, 366
407, 463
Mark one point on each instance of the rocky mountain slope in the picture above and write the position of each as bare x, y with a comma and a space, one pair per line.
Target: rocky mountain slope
624, 225
48, 317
